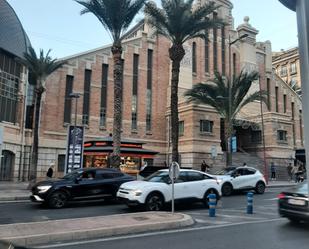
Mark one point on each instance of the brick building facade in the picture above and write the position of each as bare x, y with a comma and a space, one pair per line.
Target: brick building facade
146, 98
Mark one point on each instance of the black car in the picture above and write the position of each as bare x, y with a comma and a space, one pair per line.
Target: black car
88, 183
294, 204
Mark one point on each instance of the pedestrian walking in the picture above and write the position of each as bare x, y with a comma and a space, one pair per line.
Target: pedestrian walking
289, 169
50, 171
294, 172
204, 166
273, 171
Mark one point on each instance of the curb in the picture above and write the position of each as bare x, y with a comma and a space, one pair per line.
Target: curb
116, 230
14, 198
281, 185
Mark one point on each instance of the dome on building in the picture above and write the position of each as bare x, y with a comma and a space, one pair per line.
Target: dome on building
13, 38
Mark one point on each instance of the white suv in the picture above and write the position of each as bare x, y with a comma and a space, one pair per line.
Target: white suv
241, 178
156, 190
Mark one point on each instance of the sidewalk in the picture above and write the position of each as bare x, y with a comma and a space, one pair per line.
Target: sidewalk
14, 191
35, 233
277, 184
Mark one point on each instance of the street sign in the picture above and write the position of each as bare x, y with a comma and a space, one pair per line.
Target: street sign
174, 171
75, 148
234, 144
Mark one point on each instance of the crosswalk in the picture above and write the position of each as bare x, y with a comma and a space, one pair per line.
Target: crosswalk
234, 215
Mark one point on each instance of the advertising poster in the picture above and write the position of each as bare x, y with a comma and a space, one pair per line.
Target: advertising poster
75, 147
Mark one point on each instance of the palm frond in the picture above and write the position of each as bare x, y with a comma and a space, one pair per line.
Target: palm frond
216, 93
41, 66
179, 22
115, 15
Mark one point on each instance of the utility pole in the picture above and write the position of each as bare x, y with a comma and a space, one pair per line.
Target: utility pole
302, 12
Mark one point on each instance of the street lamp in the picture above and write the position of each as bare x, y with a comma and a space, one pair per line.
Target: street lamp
302, 12
229, 161
76, 97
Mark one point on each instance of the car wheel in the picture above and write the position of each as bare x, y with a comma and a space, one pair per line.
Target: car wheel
154, 202
57, 199
206, 199
227, 189
260, 188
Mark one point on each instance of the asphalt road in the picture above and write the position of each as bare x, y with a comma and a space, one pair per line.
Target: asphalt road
268, 234
231, 228
16, 212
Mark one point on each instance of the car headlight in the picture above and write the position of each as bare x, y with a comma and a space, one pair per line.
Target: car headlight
137, 192
43, 189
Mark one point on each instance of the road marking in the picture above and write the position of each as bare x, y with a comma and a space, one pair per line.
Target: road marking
158, 233
272, 199
211, 221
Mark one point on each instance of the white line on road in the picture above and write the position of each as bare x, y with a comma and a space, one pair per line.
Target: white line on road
158, 233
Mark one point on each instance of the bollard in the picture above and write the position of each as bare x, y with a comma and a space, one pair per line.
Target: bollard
212, 199
249, 203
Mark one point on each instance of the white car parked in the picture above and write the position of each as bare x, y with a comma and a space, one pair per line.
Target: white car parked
156, 190
241, 178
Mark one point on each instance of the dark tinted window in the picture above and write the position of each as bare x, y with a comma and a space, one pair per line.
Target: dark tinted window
182, 177
88, 175
108, 175
195, 176
249, 171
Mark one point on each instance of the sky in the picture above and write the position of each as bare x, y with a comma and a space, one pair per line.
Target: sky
58, 25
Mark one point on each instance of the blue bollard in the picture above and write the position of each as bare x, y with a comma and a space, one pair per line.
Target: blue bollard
249, 203
212, 205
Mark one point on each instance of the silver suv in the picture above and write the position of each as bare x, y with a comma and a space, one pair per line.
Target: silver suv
241, 178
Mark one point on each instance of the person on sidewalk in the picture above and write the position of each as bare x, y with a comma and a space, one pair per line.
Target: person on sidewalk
50, 171
245, 164
273, 171
289, 169
204, 167
294, 173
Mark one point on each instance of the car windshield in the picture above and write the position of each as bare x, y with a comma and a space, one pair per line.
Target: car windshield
159, 176
72, 175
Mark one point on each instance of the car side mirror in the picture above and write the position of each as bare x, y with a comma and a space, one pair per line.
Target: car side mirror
233, 175
78, 179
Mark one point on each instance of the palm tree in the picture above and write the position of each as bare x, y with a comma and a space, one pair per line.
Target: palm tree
296, 88
39, 68
179, 21
116, 17
216, 94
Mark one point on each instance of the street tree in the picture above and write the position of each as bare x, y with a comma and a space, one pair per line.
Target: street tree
180, 21
216, 94
40, 67
116, 17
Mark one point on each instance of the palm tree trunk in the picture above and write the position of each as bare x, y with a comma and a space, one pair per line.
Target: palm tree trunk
35, 145
115, 158
174, 110
176, 53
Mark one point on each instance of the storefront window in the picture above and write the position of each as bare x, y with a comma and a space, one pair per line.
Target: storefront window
98, 161
130, 165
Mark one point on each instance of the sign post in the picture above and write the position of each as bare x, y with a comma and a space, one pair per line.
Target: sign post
75, 146
174, 170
